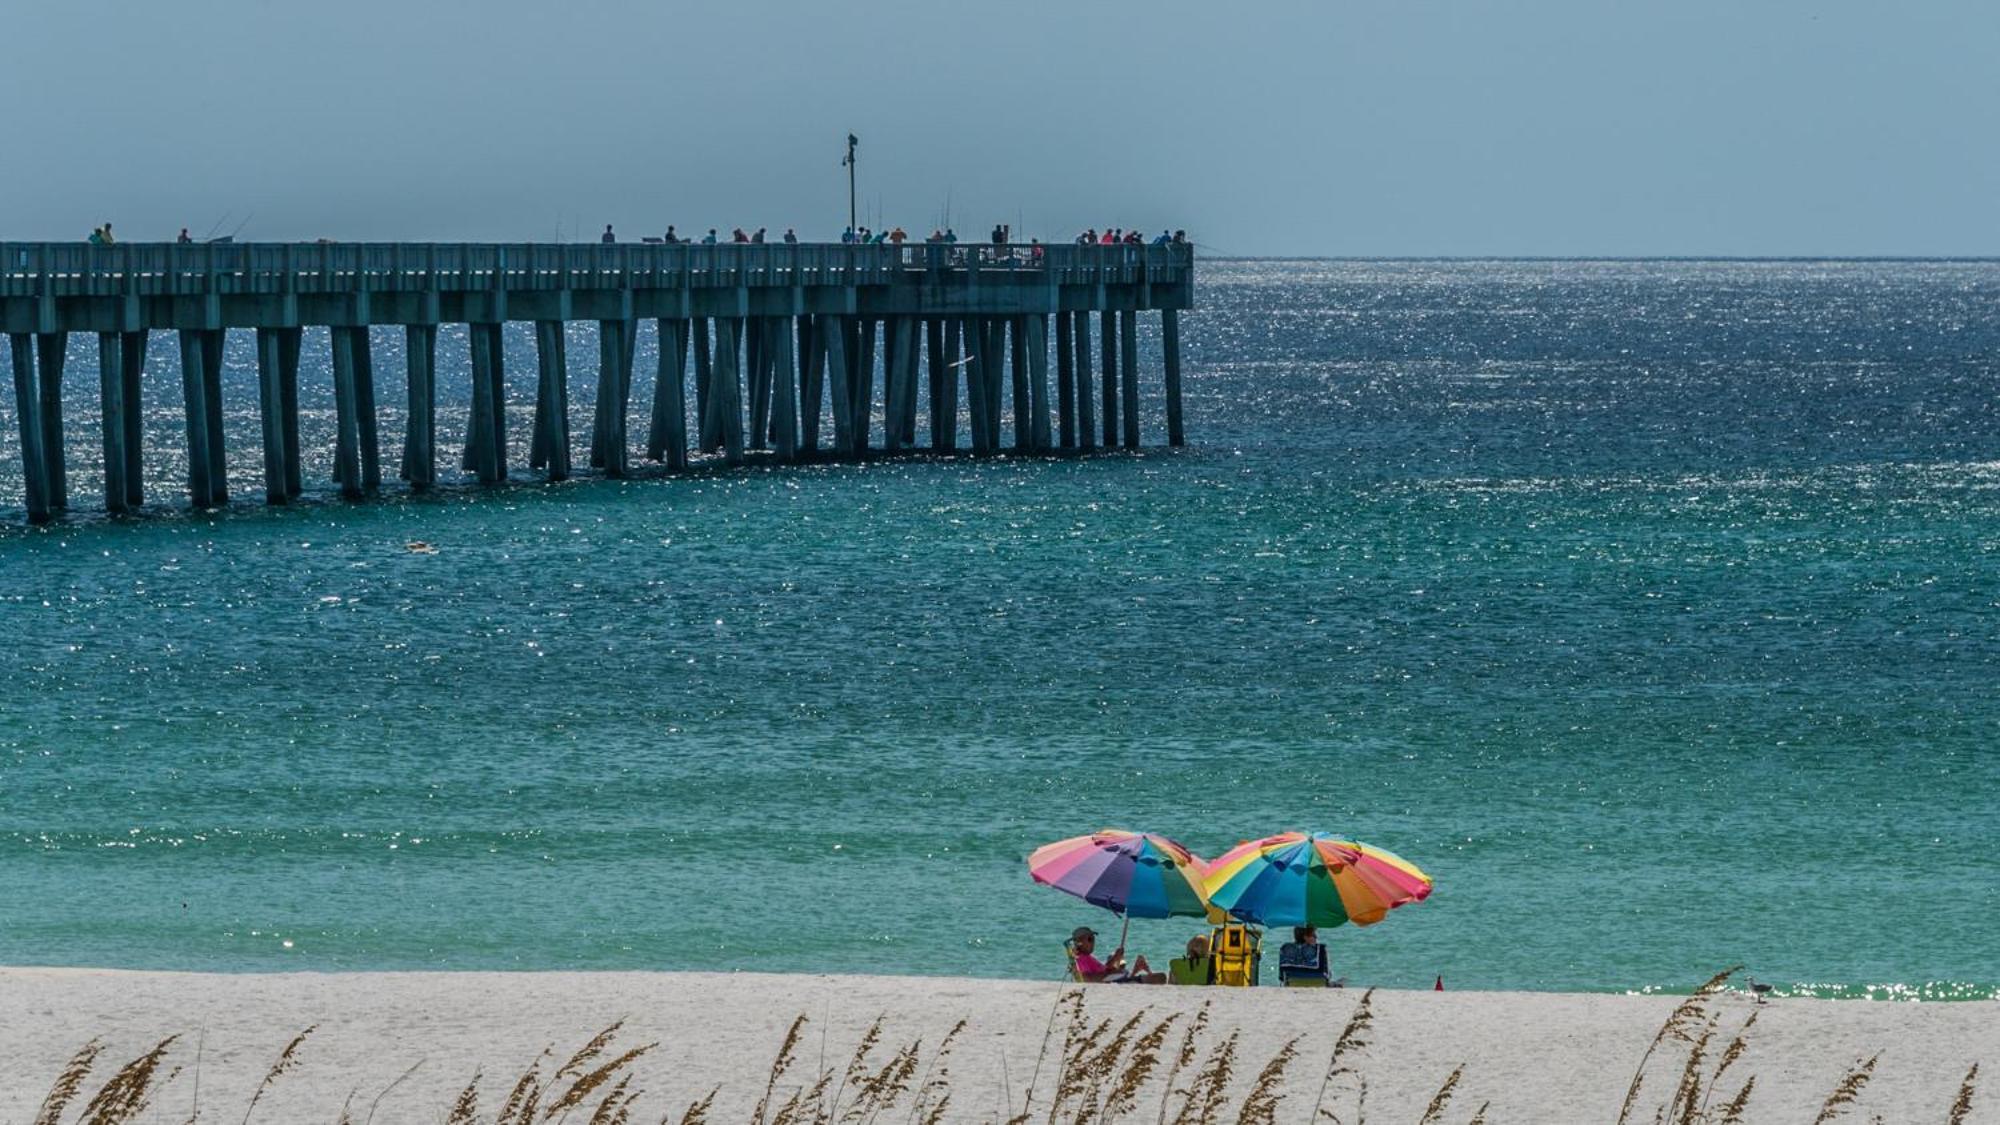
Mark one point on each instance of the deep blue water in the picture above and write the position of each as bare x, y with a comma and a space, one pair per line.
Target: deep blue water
1654, 608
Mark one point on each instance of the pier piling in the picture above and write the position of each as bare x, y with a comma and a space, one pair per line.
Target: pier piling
1128, 359
194, 390
783, 336
1037, 334
28, 412
132, 367
1107, 348
785, 414
346, 409
420, 426
1065, 384
51, 350
954, 361
666, 437
1086, 423
271, 414
111, 383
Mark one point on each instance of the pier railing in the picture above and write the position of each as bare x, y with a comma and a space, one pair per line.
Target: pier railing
68, 269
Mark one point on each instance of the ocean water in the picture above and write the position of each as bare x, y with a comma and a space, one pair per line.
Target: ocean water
1653, 608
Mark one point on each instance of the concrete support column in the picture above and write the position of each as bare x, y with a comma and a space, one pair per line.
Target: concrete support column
347, 423
892, 387
111, 391
420, 425
367, 426
1128, 362
1065, 383
909, 357
132, 367
1108, 352
1170, 346
51, 349
861, 379
954, 362
812, 379
28, 413
271, 415
667, 437
487, 427
757, 366
1037, 333
725, 392
549, 449
978, 357
708, 424
290, 341
1017, 346
996, 377
211, 373
1086, 422
194, 390
784, 388
609, 450
938, 373
836, 341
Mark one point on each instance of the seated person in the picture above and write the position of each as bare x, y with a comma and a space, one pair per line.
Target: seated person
1302, 960
1196, 968
1083, 947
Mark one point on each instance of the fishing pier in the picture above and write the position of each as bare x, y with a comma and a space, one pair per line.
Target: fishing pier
784, 338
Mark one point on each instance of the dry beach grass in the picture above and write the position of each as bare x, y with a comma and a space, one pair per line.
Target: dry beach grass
1104, 1055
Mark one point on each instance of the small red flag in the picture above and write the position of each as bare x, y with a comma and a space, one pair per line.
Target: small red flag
1439, 986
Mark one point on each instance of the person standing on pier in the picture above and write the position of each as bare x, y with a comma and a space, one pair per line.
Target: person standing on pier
608, 236
183, 239
759, 236
709, 238
847, 236
108, 240
671, 237
791, 237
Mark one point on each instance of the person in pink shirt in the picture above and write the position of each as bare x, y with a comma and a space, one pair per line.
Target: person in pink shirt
1083, 945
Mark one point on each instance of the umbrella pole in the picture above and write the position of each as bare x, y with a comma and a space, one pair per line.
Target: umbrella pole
1124, 930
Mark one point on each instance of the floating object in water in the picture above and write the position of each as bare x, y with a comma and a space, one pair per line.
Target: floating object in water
419, 547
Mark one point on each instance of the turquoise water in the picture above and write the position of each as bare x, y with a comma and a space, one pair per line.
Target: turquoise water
1654, 608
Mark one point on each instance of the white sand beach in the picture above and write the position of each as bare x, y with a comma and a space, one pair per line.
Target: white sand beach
1533, 1057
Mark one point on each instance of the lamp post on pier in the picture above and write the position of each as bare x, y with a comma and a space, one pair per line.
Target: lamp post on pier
848, 161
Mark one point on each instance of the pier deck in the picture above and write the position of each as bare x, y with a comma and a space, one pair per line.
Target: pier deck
781, 335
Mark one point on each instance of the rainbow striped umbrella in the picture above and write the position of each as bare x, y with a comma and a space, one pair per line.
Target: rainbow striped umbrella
1301, 879
1130, 873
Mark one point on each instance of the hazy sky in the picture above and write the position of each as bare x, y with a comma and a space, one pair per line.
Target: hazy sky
1362, 127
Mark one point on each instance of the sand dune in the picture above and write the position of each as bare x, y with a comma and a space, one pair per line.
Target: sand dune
1534, 1057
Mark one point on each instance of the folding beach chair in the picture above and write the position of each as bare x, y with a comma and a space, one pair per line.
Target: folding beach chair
1303, 966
